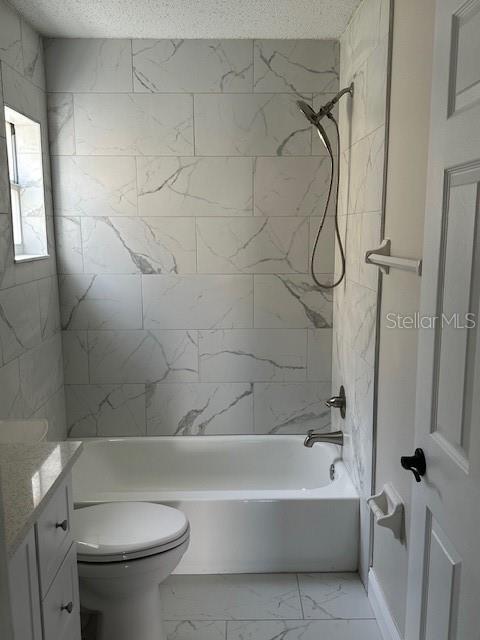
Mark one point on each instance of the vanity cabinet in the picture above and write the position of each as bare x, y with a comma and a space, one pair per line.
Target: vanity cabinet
43, 575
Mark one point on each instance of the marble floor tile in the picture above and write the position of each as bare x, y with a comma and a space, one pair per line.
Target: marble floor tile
304, 630
333, 595
231, 597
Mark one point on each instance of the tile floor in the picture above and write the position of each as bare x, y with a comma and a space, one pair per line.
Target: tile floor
312, 606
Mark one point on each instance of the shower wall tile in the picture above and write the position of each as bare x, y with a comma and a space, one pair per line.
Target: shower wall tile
291, 186
319, 355
324, 259
20, 94
11, 399
41, 373
252, 355
75, 357
250, 124
20, 328
194, 186
106, 410
61, 128
68, 240
197, 302
11, 37
54, 411
203, 66
368, 27
101, 302
94, 186
33, 55
133, 124
252, 245
299, 66
291, 302
186, 203
142, 356
199, 409
31, 373
49, 305
138, 245
366, 175
291, 408
82, 65
364, 59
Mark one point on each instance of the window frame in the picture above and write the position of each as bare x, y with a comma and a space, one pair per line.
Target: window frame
16, 188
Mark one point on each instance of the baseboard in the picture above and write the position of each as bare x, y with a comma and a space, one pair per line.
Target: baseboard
387, 626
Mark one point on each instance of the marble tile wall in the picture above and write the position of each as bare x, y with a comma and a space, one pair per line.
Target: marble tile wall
364, 60
31, 367
187, 190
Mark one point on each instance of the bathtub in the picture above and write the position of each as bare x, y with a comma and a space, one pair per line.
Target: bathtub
255, 503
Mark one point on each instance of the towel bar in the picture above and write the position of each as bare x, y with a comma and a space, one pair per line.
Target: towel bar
381, 257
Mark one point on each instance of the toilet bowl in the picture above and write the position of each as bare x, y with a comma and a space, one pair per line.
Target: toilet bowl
124, 551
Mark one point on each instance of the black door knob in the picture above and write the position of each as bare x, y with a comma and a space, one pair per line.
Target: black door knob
416, 464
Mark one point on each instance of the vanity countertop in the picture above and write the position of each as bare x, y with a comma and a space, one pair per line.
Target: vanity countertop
30, 473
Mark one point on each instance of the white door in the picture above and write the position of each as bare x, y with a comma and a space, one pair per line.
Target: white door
444, 565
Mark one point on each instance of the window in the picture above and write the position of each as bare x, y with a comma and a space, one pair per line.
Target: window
25, 169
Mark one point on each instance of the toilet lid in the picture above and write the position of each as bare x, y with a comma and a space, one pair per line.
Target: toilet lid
126, 530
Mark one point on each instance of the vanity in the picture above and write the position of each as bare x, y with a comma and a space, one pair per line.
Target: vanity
42, 563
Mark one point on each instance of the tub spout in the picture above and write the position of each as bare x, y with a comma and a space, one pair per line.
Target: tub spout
334, 437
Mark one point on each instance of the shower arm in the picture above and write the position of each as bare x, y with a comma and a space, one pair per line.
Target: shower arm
328, 107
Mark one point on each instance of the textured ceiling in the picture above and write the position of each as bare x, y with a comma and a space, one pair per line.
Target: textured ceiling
188, 18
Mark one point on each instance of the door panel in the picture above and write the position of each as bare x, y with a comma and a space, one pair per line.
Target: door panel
441, 580
457, 306
444, 564
465, 70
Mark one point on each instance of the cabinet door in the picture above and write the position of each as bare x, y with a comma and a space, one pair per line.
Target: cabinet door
61, 605
24, 593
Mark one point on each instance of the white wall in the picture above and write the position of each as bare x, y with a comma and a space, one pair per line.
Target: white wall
187, 189
31, 373
363, 60
406, 185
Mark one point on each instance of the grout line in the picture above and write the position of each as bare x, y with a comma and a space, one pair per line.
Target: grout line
300, 596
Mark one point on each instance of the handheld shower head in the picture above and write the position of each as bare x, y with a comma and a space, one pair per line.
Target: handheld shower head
315, 119
308, 112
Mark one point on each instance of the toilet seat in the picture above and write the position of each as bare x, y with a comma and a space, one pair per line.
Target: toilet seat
119, 531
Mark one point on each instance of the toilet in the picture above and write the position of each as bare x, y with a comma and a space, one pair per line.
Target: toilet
124, 551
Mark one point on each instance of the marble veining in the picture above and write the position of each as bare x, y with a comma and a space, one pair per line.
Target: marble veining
252, 245
106, 410
364, 59
301, 66
283, 301
184, 186
184, 238
199, 409
291, 408
192, 65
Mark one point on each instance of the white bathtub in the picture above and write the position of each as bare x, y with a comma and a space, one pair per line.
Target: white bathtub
255, 503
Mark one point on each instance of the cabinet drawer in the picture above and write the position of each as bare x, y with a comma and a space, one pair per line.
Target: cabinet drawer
61, 605
54, 536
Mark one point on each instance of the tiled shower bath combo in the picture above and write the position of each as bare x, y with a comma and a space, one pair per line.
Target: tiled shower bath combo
188, 190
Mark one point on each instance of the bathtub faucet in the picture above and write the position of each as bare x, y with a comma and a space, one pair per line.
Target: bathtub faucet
334, 437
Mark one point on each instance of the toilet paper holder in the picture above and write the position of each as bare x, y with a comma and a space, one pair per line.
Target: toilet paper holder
388, 509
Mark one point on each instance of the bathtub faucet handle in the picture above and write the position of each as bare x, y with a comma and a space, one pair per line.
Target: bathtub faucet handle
338, 402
